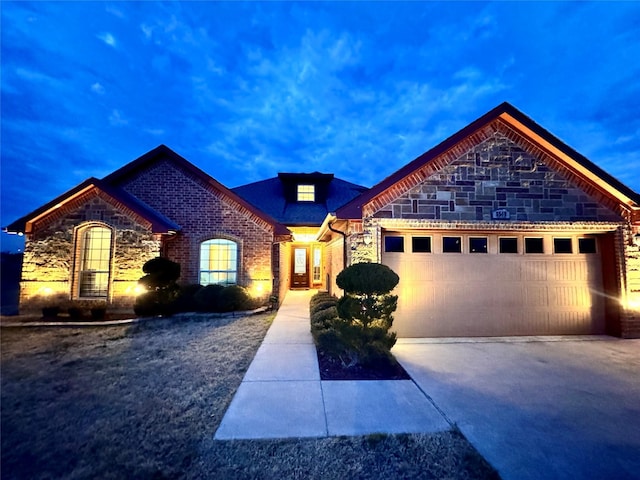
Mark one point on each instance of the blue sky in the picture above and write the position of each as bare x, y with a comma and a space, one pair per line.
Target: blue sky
247, 90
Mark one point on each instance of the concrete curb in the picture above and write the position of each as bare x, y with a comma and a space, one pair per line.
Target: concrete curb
128, 321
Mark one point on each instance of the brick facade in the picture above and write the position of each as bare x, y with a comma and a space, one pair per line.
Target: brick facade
205, 213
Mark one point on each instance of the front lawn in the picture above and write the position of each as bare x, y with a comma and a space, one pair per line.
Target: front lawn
144, 401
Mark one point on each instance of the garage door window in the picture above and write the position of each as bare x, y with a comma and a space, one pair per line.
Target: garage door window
451, 245
587, 245
562, 245
477, 244
508, 245
394, 244
533, 245
421, 244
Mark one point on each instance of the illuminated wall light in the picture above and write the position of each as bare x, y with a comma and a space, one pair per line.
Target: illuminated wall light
46, 291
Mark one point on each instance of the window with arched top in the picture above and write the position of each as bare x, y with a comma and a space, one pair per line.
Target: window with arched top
218, 262
94, 262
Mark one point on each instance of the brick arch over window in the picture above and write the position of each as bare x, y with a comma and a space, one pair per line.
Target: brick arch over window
219, 260
93, 256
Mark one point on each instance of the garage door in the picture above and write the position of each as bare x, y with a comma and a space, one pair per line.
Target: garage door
492, 285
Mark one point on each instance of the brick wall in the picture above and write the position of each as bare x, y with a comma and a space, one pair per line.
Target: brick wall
204, 213
496, 174
49, 266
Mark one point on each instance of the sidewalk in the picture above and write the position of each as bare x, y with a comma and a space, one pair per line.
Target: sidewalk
282, 396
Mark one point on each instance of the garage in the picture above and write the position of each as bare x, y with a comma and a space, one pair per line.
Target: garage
470, 283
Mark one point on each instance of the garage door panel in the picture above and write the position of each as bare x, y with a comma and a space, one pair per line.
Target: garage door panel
491, 294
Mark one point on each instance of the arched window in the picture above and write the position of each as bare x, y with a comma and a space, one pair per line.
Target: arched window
218, 262
95, 262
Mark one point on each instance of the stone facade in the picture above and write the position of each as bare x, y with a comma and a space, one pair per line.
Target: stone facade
49, 266
497, 175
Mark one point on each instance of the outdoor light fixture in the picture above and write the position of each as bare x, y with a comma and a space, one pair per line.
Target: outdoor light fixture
367, 237
636, 239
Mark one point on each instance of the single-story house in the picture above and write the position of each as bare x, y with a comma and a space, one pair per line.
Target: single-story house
501, 229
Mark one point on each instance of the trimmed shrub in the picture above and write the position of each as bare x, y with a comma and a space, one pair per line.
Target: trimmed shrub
160, 281
235, 297
218, 299
185, 300
207, 298
359, 334
320, 318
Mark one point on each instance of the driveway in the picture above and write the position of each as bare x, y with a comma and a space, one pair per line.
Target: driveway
538, 408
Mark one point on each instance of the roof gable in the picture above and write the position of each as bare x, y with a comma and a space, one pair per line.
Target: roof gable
158, 222
164, 153
576, 168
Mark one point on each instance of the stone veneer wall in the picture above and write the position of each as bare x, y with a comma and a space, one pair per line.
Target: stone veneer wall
204, 213
630, 315
48, 266
497, 174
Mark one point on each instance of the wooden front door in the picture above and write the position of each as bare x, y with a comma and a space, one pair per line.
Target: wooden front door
300, 268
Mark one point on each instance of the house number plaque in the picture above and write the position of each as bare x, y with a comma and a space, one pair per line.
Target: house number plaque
500, 214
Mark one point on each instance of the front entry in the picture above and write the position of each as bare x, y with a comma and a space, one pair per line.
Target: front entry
300, 268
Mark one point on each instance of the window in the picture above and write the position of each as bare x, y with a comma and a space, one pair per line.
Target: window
218, 262
508, 245
95, 262
317, 263
534, 245
394, 244
587, 245
477, 244
562, 245
421, 244
306, 193
451, 245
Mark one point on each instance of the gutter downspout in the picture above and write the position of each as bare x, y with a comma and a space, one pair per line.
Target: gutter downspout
344, 243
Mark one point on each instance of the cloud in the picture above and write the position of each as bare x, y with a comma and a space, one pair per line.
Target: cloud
108, 38
117, 120
97, 88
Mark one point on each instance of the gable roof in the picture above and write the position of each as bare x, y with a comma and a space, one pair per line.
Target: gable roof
273, 196
159, 223
576, 165
165, 153
111, 186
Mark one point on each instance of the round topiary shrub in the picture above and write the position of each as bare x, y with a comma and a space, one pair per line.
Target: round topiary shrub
234, 297
367, 279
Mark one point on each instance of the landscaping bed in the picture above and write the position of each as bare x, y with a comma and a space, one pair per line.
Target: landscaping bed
333, 369
144, 401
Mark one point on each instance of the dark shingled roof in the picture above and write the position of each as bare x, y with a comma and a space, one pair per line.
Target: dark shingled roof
271, 196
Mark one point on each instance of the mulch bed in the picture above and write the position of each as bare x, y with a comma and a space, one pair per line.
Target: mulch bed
332, 369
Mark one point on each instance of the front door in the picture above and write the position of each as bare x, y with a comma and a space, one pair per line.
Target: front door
300, 268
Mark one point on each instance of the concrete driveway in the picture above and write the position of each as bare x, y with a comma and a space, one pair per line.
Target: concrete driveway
538, 408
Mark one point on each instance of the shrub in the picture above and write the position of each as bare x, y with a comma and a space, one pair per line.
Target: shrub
216, 298
185, 300
160, 281
207, 298
320, 318
235, 297
360, 332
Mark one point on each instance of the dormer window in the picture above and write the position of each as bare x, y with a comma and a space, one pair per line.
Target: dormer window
306, 193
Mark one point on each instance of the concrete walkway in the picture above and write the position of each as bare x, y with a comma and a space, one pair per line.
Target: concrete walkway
282, 396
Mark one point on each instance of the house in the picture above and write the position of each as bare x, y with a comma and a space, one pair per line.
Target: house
501, 229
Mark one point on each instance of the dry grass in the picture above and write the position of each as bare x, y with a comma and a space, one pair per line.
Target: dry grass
144, 401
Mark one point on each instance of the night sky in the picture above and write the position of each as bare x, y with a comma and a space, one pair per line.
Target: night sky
247, 90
